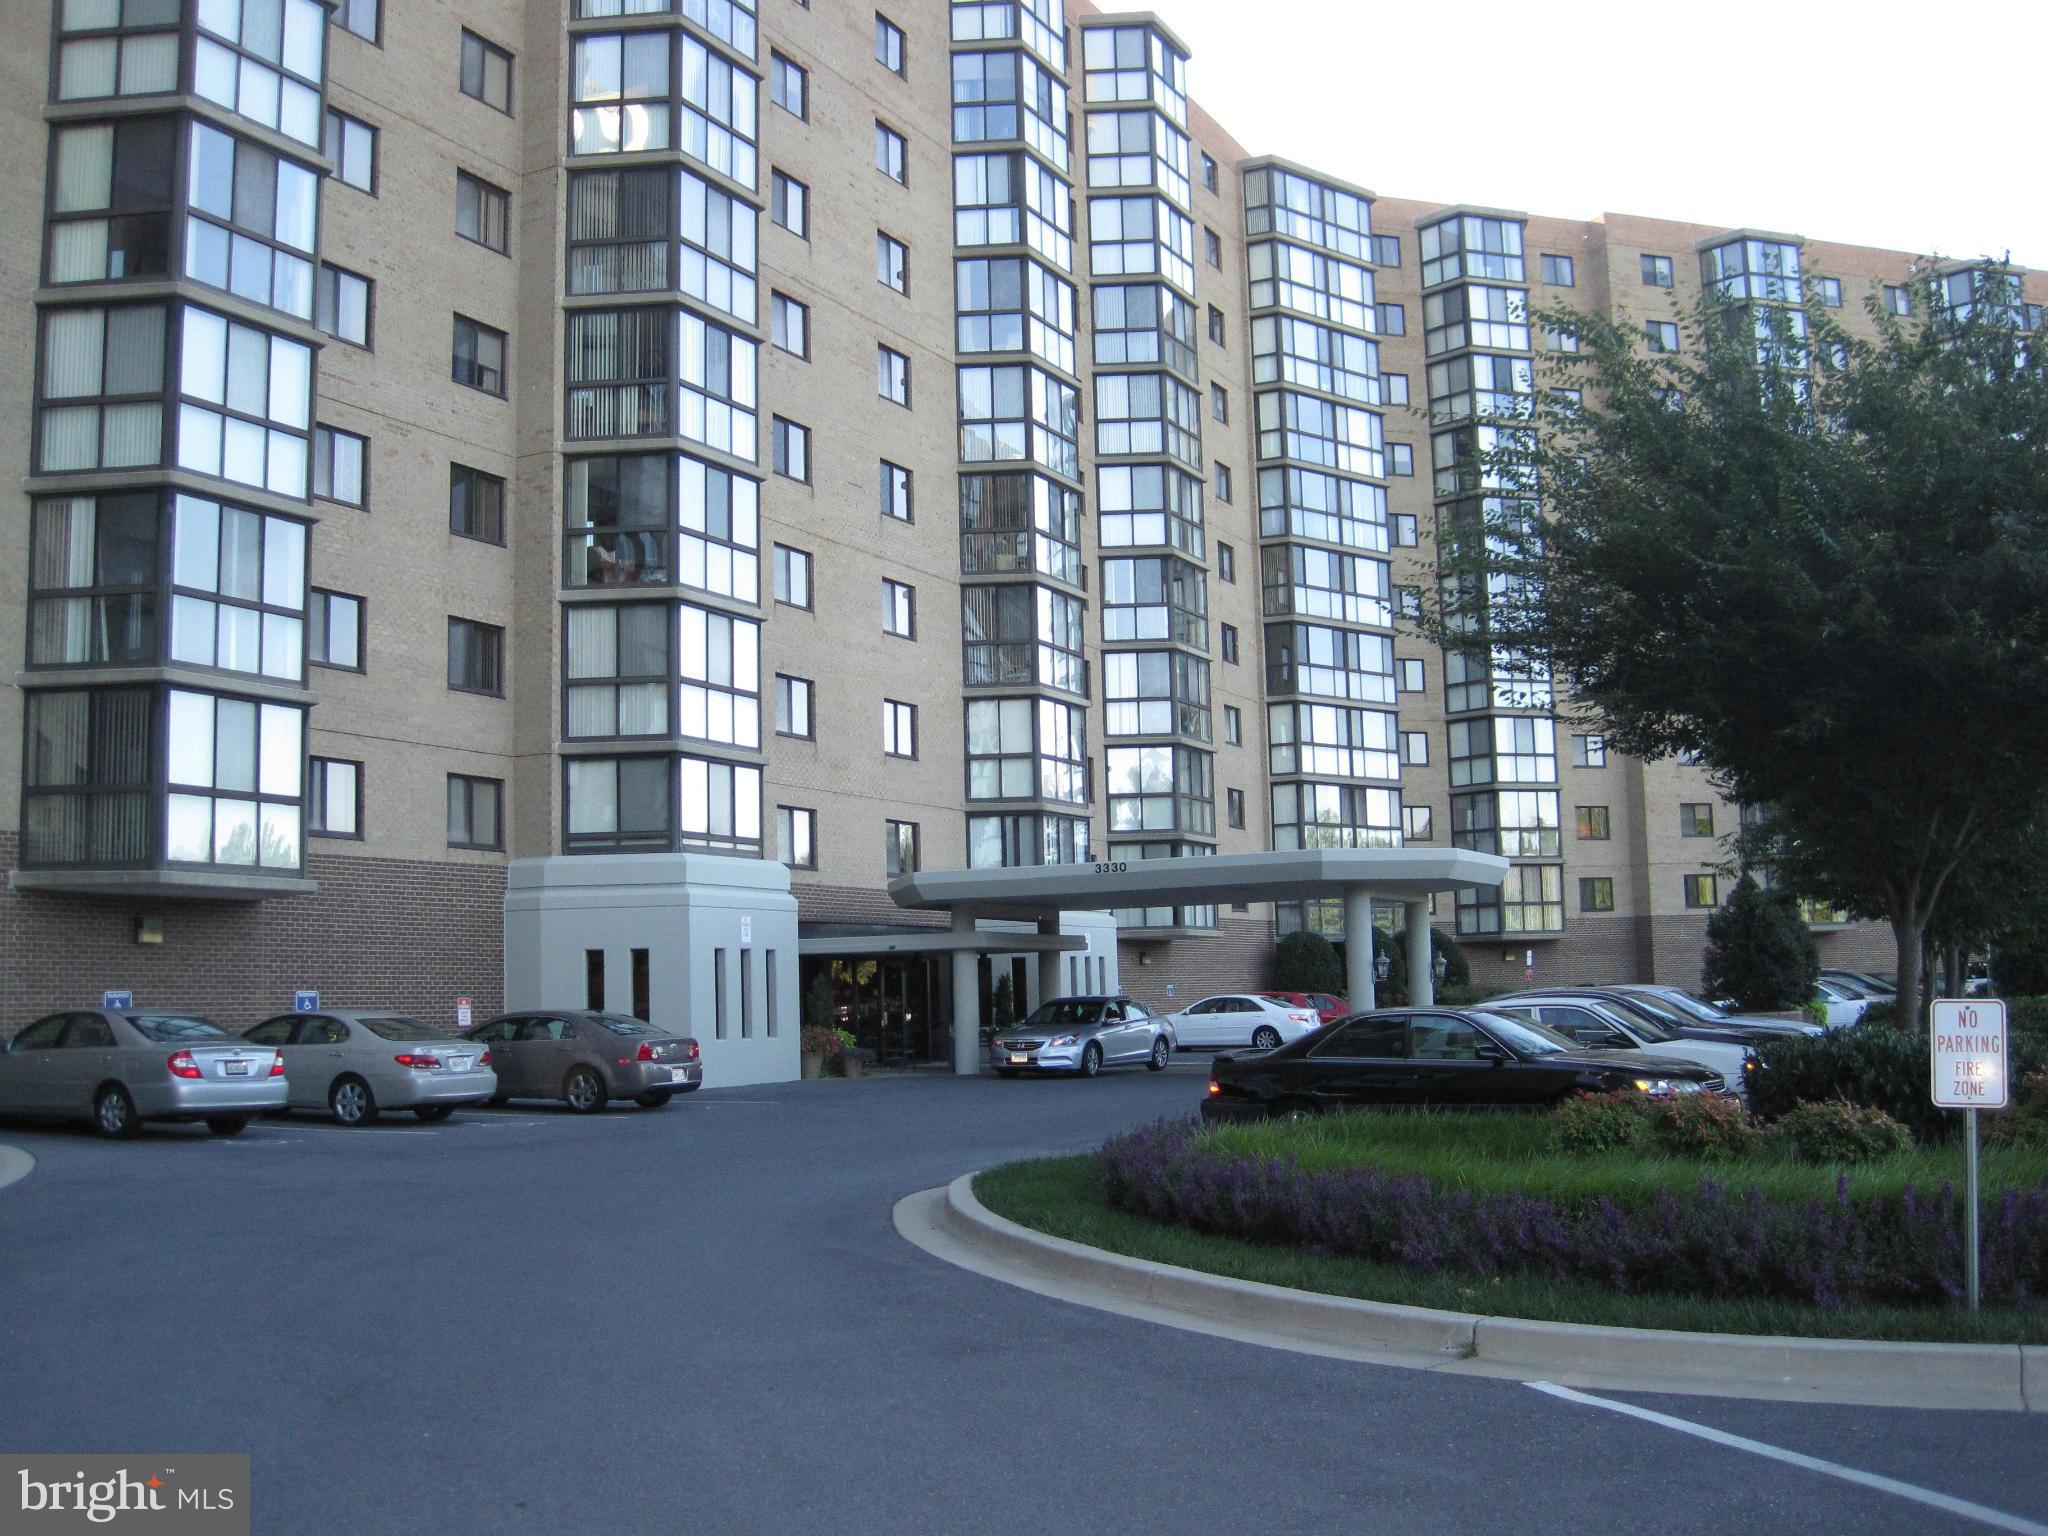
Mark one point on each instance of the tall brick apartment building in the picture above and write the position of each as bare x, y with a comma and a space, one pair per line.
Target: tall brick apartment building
572, 497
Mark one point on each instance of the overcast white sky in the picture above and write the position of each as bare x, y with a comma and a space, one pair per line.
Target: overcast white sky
1869, 122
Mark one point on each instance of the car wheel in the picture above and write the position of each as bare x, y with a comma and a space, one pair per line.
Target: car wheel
227, 1125
1006, 1071
1091, 1059
434, 1114
501, 1098
1291, 1112
583, 1091
1160, 1052
351, 1102
1265, 1038
654, 1100
113, 1113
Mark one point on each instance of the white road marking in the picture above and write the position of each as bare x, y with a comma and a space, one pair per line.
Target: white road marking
1891, 1485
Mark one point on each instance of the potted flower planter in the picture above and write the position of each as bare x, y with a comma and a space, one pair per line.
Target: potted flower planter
813, 1066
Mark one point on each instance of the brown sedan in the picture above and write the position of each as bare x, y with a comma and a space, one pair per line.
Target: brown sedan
584, 1057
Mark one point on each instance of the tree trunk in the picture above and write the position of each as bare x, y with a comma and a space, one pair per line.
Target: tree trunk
1958, 976
1906, 934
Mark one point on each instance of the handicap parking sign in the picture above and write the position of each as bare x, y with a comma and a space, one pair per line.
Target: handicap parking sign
117, 1000
305, 1002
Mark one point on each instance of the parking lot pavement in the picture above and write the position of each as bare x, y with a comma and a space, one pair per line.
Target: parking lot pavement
701, 1318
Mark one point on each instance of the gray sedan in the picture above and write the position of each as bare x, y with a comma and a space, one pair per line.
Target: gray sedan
118, 1069
584, 1057
354, 1064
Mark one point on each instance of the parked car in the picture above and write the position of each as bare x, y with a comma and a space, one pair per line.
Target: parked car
1611, 1027
584, 1057
1688, 1013
1327, 1005
1861, 985
1844, 1007
1083, 1035
119, 1069
355, 1064
1244, 1019
1436, 1057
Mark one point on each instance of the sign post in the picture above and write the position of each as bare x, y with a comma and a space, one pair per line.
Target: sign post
1967, 1071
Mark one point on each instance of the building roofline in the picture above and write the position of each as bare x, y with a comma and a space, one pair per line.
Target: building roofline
1478, 209
1282, 163
1150, 19
1775, 236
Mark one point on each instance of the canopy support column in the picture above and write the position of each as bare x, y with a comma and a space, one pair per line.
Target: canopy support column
1049, 960
966, 1004
1421, 963
1358, 972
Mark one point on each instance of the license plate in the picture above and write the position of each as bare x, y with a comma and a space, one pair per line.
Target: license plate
458, 1063
1020, 1061
679, 1074
235, 1068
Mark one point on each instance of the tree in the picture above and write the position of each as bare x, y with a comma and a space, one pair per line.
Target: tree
1759, 950
1816, 563
1307, 962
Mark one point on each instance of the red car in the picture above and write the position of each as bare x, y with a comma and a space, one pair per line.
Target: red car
1326, 1006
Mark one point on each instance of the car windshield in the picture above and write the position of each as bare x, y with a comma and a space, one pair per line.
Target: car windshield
169, 1026
620, 1024
396, 1026
1664, 1008
1065, 1011
1530, 1039
1651, 1029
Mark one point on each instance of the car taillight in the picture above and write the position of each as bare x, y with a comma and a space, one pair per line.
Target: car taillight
484, 1060
1215, 1088
645, 1053
1302, 1018
277, 1063
408, 1059
693, 1050
182, 1065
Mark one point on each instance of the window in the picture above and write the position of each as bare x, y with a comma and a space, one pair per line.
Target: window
899, 609
1696, 820
793, 706
899, 728
1702, 891
1662, 335
479, 356
1390, 319
788, 84
1415, 748
1226, 562
899, 848
1233, 725
1405, 530
1212, 247
892, 153
1657, 271
360, 17
796, 834
1219, 403
1589, 751
1897, 300
892, 375
234, 770
1596, 893
1229, 636
334, 797
341, 466
1831, 292
1386, 250
334, 630
476, 657
1593, 825
483, 213
476, 504
1561, 341
1410, 676
1208, 171
112, 190
1417, 824
888, 44
1558, 271
1233, 807
892, 262
789, 324
1216, 331
341, 304
1400, 459
617, 669
475, 812
790, 447
789, 204
1408, 602
792, 577
1220, 484
486, 73
895, 491
352, 145
1394, 388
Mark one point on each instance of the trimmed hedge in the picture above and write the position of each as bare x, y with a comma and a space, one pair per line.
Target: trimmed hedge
1904, 1249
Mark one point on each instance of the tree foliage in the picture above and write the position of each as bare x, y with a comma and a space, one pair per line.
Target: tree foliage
1759, 950
1817, 564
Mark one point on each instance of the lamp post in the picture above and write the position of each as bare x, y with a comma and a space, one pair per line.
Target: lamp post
1438, 966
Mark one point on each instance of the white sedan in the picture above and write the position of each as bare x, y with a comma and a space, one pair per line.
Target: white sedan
1585, 1020
1844, 1007
1241, 1018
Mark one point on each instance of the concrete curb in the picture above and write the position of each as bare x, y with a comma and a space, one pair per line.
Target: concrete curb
2008, 1377
14, 1165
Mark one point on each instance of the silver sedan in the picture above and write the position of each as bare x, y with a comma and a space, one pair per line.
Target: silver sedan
1083, 1035
355, 1064
118, 1069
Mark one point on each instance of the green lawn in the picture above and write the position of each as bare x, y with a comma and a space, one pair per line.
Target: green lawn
1059, 1196
1490, 1154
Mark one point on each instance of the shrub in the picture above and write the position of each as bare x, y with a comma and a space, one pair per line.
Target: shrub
1884, 1014
1600, 1122
1816, 1011
1703, 1125
1838, 1134
2019, 972
1759, 950
1878, 1067
2025, 1124
1307, 962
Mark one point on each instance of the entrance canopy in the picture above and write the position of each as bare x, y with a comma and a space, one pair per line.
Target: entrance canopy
1357, 876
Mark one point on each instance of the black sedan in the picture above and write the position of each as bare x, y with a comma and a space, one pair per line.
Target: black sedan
1437, 1058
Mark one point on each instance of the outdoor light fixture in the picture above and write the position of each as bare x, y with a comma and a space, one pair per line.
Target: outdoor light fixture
1438, 966
149, 930
1381, 965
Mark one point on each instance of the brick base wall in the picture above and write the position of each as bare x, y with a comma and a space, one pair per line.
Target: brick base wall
1239, 958
405, 934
